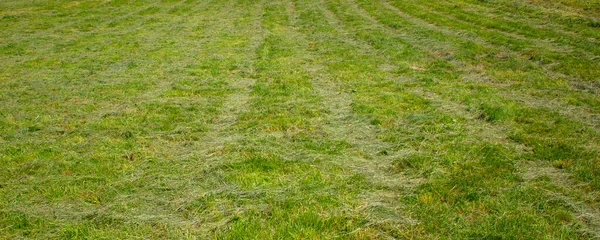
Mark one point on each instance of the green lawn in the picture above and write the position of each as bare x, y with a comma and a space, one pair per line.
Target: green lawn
300, 119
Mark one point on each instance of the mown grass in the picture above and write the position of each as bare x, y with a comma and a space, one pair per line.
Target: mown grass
346, 119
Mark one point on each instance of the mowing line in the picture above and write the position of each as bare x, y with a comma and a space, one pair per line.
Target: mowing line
591, 226
366, 154
544, 20
560, 47
450, 107
588, 74
585, 115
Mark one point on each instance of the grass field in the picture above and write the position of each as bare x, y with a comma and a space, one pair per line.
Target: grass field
300, 119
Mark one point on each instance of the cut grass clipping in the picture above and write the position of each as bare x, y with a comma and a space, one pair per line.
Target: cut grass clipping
293, 119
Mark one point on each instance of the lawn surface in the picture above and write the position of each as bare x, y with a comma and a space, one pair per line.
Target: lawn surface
300, 119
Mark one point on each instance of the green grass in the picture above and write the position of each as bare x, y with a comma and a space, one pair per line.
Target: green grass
290, 119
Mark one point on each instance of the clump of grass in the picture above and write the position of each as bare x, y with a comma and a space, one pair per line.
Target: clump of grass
413, 161
497, 112
594, 23
562, 164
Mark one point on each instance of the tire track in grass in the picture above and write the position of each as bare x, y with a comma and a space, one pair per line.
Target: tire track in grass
106, 21
580, 213
178, 70
297, 173
517, 30
464, 25
375, 203
190, 59
444, 105
66, 24
368, 155
394, 30
93, 41
222, 130
583, 114
577, 68
342, 122
162, 75
347, 125
42, 40
147, 193
222, 133
520, 31
116, 202
360, 27
537, 18
441, 104
164, 177
108, 73
281, 178
559, 185
477, 126
541, 17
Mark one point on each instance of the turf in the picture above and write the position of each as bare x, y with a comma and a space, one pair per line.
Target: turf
294, 119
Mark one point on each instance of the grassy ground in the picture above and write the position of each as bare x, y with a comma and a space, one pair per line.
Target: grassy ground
346, 119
